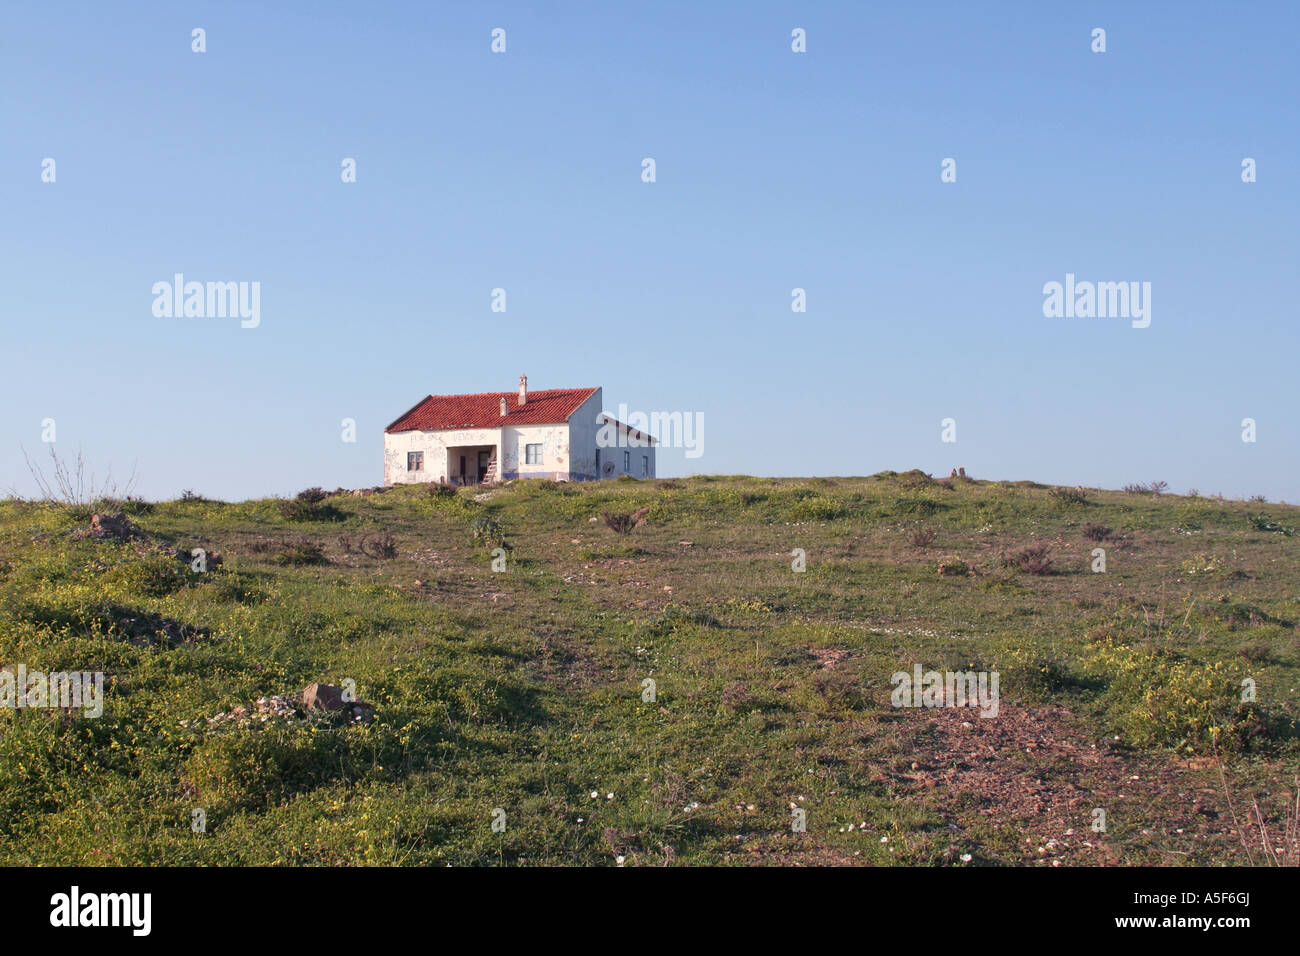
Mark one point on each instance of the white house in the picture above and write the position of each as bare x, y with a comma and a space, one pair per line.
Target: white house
560, 433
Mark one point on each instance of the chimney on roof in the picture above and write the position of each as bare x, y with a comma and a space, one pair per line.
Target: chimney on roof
523, 390
503, 408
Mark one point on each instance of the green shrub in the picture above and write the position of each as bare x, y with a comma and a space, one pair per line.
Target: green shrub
301, 553
487, 529
265, 764
1029, 671
922, 537
1262, 522
157, 574
954, 567
305, 509
674, 617
817, 508
1031, 559
921, 507
1096, 532
1157, 700
1069, 496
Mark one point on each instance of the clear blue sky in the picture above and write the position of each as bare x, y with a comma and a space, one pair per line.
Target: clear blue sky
775, 170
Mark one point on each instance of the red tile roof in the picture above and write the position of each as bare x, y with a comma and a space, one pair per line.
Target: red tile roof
443, 412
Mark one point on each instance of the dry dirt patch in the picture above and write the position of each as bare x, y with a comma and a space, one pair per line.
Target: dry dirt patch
1040, 774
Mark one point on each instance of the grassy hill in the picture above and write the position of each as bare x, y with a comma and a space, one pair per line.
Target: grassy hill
523, 689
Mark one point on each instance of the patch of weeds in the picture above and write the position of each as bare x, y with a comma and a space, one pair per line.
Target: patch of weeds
1031, 559
129, 505
674, 616
1097, 532
1201, 563
1030, 671
1157, 700
624, 523
309, 505
157, 574
922, 537
954, 567
1068, 496
817, 508
1153, 488
916, 478
1238, 613
1262, 522
487, 529
299, 554
1001, 582
1256, 652
737, 697
380, 546
920, 507
549, 486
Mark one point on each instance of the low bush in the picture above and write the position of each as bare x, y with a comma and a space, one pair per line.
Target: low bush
305, 509
624, 523
487, 529
1262, 522
1157, 700
381, 546
442, 490
1097, 532
1156, 488
301, 553
1069, 496
1031, 559
923, 537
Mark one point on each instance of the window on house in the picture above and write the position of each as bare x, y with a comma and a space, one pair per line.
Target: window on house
645, 466
627, 462
415, 461
533, 454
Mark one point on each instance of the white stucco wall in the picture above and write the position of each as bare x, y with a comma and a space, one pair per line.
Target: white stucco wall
626, 456
442, 448
628, 460
434, 445
582, 438
554, 440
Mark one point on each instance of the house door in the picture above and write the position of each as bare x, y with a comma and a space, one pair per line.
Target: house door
483, 457
462, 469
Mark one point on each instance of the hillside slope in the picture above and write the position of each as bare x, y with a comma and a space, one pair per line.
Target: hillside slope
524, 690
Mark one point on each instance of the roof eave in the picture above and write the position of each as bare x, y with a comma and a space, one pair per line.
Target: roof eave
389, 427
